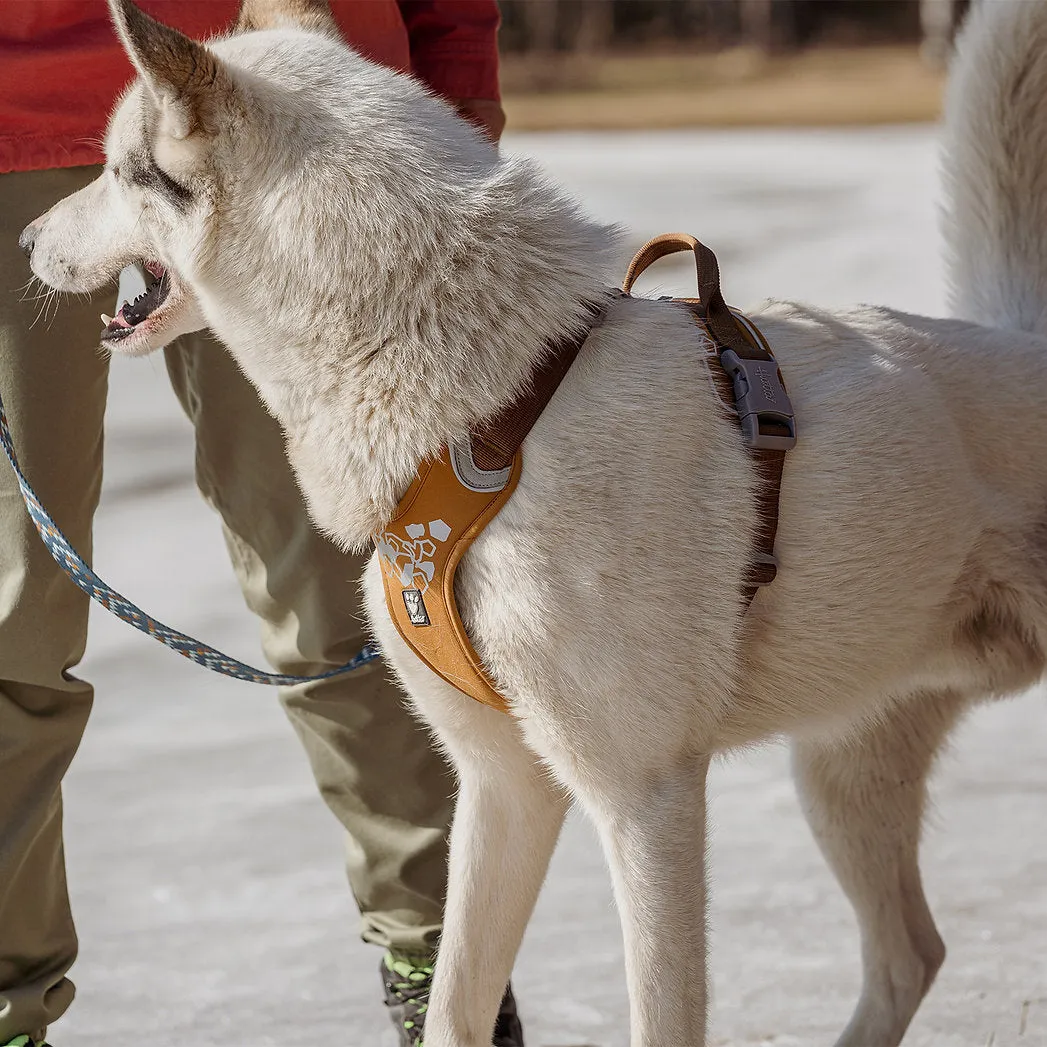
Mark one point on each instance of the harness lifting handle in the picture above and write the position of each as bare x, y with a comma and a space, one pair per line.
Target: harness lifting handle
718, 316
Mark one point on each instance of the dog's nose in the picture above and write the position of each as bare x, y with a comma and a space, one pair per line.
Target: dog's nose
28, 240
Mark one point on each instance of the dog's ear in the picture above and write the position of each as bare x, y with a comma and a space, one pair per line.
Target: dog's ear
183, 77
274, 14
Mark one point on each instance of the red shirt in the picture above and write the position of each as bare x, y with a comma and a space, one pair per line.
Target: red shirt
62, 67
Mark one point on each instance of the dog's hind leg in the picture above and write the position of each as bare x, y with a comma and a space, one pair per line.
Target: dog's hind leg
507, 818
864, 799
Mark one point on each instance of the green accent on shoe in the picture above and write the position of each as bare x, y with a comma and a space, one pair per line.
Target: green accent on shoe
407, 980
413, 968
24, 1041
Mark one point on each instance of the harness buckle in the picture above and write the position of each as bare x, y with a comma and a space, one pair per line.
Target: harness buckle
764, 407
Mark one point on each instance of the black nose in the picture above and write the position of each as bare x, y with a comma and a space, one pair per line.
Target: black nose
27, 240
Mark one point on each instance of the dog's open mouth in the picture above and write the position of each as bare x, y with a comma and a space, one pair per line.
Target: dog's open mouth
133, 315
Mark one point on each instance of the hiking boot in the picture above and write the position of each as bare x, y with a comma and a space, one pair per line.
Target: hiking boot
407, 983
508, 1032
24, 1041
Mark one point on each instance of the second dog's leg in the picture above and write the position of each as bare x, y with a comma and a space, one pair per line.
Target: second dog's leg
864, 800
507, 819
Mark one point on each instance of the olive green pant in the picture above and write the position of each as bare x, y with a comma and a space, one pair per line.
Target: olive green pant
372, 762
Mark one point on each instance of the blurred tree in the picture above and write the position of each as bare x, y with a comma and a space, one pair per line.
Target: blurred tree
541, 19
595, 25
769, 25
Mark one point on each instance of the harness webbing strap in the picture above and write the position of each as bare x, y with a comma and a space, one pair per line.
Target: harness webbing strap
748, 376
770, 464
769, 468
495, 442
719, 319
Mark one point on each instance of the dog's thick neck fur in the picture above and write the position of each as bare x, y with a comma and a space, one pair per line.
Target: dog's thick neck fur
430, 301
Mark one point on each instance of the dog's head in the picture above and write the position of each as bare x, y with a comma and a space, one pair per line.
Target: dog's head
226, 168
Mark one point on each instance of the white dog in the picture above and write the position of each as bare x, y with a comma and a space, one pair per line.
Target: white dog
387, 280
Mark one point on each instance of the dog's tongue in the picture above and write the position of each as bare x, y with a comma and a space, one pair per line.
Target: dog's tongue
118, 322
131, 314
123, 321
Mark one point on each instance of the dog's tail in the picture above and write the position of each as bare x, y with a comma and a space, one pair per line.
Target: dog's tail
995, 167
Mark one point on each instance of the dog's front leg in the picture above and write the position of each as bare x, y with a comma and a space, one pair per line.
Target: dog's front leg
507, 819
652, 824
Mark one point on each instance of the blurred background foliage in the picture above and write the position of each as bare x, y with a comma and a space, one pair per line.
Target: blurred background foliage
669, 63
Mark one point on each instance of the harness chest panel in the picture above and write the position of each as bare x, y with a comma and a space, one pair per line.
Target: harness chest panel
449, 503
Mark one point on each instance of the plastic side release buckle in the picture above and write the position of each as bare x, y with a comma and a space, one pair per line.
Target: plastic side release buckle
764, 408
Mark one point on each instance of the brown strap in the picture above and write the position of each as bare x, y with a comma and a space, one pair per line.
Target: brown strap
496, 442
769, 468
748, 376
719, 319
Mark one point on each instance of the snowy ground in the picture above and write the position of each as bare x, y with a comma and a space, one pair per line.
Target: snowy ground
206, 874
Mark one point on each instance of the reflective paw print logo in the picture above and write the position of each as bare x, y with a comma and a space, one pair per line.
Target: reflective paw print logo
410, 560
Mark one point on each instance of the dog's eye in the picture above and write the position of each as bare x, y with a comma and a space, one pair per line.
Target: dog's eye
116, 171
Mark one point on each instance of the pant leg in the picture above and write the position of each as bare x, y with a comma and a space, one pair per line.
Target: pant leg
372, 760
53, 379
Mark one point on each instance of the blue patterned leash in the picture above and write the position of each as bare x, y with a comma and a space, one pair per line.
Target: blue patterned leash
73, 564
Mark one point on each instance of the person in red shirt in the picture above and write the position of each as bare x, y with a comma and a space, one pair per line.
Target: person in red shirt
61, 69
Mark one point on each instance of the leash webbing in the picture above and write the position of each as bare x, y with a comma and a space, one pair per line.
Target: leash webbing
74, 566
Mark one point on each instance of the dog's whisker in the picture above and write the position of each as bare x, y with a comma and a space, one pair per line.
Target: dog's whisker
32, 284
49, 313
36, 319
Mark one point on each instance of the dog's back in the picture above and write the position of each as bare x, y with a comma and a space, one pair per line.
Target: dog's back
913, 533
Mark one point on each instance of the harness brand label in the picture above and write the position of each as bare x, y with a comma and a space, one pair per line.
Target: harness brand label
416, 612
767, 384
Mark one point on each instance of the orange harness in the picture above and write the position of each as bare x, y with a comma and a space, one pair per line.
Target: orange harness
449, 503
454, 497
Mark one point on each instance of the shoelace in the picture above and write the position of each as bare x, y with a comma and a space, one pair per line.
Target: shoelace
75, 567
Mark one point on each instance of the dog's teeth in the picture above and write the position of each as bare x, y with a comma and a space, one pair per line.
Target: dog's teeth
107, 320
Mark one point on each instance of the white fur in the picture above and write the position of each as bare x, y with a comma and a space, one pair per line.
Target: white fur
387, 281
